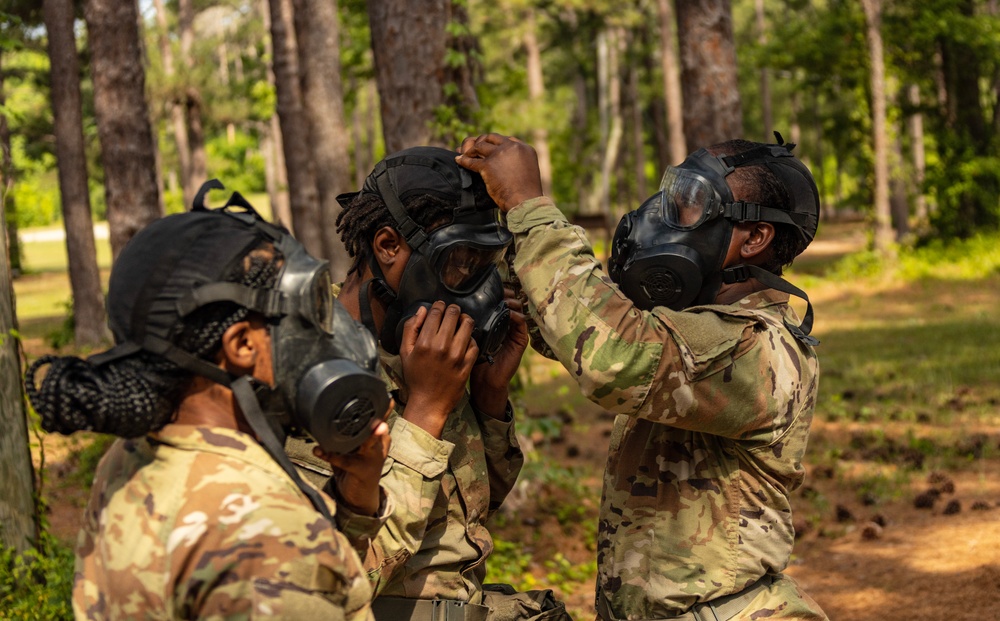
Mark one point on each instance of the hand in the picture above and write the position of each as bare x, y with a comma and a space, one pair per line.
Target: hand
508, 166
357, 473
437, 353
490, 383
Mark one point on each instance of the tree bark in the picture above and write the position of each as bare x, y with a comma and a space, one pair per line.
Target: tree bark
192, 104
302, 193
765, 74
883, 219
271, 144
122, 118
411, 43
638, 136
8, 214
915, 125
671, 82
84, 275
536, 93
175, 104
317, 34
712, 108
17, 506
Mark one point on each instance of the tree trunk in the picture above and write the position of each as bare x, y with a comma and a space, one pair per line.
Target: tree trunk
17, 505
765, 75
883, 220
8, 214
536, 92
672, 82
272, 145
609, 103
411, 43
174, 105
638, 136
317, 34
302, 193
899, 204
84, 276
916, 127
192, 104
122, 118
712, 109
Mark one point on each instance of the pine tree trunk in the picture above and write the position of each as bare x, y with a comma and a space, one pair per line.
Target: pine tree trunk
191, 104
317, 34
122, 118
84, 276
671, 82
8, 214
712, 108
17, 505
638, 137
274, 158
536, 93
916, 130
883, 219
302, 193
765, 74
175, 104
410, 46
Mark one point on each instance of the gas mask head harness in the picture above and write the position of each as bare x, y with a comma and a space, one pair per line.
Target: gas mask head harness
455, 262
325, 381
670, 251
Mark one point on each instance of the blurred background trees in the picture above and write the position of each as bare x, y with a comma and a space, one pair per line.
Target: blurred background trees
895, 104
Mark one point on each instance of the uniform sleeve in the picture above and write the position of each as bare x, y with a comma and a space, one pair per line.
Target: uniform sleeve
412, 477
503, 454
660, 365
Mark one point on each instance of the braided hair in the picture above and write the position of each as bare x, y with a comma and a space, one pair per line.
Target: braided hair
757, 184
364, 216
138, 394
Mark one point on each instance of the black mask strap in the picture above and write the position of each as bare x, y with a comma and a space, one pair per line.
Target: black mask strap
258, 421
740, 273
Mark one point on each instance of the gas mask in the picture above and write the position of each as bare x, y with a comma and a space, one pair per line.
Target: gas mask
456, 262
670, 251
325, 380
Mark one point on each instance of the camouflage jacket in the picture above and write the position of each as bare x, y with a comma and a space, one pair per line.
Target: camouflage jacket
714, 405
435, 542
200, 522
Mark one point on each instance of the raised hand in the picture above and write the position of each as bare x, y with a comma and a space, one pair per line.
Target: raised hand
358, 473
437, 353
508, 166
489, 385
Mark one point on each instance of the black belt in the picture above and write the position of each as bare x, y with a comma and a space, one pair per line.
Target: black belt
719, 609
407, 609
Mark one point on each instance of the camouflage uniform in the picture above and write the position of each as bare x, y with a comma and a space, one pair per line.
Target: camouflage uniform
435, 543
200, 522
714, 406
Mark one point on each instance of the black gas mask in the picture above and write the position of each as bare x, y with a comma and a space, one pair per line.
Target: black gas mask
324, 364
456, 262
670, 251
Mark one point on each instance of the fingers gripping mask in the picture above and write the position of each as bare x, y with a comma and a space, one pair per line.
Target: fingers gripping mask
455, 262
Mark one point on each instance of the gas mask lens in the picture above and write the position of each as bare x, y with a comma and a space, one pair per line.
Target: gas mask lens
687, 199
322, 301
462, 266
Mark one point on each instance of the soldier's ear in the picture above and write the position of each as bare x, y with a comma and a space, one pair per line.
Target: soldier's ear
759, 236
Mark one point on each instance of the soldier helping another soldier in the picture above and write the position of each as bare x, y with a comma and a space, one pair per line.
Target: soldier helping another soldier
425, 238
227, 337
689, 338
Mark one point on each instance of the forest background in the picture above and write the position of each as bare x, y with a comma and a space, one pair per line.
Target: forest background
113, 113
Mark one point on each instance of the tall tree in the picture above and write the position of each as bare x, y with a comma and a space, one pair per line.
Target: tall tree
420, 70
175, 104
122, 118
317, 34
671, 82
303, 196
536, 93
17, 505
712, 107
765, 74
915, 125
84, 275
883, 218
275, 173
8, 214
198, 171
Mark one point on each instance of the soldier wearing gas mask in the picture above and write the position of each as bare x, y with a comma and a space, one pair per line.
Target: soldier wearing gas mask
689, 338
227, 339
426, 240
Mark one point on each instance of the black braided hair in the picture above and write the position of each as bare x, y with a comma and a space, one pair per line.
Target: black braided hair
364, 216
757, 184
138, 394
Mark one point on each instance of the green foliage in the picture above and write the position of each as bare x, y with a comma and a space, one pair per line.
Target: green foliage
38, 584
236, 163
66, 332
